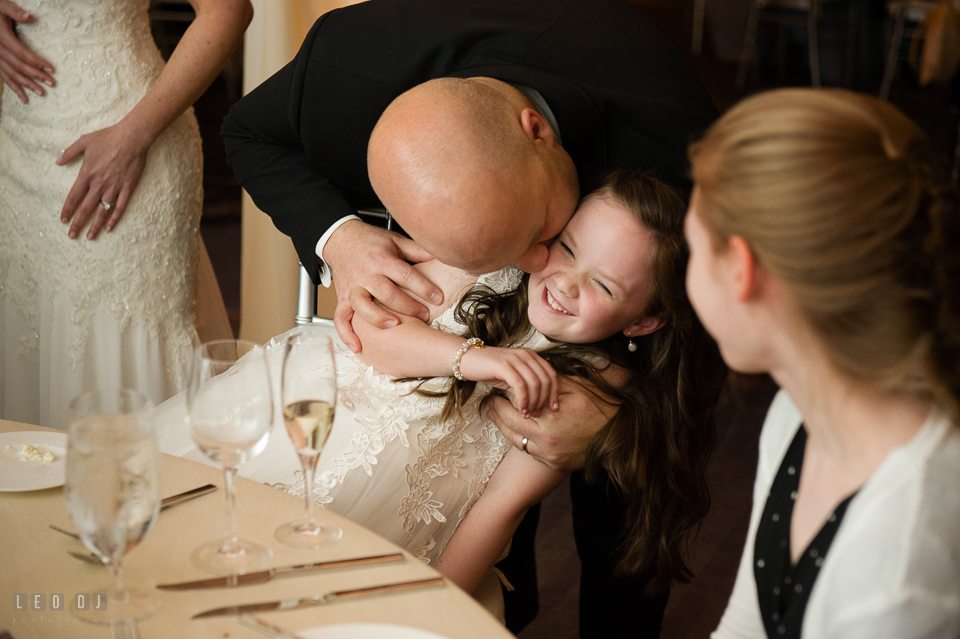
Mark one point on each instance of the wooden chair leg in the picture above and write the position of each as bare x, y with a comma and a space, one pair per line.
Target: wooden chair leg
893, 55
955, 173
783, 42
746, 56
696, 38
813, 43
853, 28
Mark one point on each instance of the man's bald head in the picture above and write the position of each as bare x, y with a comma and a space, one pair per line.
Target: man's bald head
471, 170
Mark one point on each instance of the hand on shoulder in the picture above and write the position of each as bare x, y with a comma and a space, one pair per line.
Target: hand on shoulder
372, 278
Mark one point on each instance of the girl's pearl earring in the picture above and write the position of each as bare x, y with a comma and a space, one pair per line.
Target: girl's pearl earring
631, 346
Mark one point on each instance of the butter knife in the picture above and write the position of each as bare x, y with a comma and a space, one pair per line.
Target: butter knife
165, 503
263, 626
262, 577
306, 602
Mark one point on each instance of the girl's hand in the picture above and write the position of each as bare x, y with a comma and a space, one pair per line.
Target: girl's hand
20, 68
530, 379
113, 160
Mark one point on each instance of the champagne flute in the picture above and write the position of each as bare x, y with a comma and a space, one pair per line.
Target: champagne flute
230, 411
308, 392
112, 490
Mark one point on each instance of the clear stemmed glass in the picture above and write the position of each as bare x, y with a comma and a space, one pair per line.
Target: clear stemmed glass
230, 412
112, 490
308, 392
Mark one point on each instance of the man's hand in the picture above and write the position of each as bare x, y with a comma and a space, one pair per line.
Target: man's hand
20, 67
369, 267
558, 439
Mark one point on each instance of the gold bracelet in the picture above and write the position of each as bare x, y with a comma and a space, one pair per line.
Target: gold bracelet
473, 341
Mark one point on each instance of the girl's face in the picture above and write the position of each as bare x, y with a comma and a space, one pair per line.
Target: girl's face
597, 278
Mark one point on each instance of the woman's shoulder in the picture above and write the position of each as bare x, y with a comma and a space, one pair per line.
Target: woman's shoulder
781, 424
894, 568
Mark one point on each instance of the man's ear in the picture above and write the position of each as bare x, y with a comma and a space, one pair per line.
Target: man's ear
745, 268
536, 127
643, 326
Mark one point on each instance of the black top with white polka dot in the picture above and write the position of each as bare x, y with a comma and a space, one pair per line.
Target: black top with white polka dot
783, 589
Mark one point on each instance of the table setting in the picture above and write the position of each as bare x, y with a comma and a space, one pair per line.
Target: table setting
103, 535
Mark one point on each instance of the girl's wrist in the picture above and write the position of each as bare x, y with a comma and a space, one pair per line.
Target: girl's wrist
473, 342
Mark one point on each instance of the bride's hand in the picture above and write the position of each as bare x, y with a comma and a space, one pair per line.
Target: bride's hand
113, 160
531, 381
20, 67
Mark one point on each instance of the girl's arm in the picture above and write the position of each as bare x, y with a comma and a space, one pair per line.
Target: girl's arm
414, 349
519, 482
114, 157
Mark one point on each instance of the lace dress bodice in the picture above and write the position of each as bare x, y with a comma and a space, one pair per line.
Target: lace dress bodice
392, 465
105, 61
142, 272
389, 464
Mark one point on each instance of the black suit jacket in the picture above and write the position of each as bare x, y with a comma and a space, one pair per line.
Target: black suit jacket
622, 92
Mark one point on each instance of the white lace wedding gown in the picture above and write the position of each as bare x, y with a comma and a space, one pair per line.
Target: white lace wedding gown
117, 311
390, 464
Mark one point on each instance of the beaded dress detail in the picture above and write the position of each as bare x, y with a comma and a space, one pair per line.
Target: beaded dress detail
117, 311
389, 464
392, 465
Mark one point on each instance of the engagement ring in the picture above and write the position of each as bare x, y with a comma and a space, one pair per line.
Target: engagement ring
106, 206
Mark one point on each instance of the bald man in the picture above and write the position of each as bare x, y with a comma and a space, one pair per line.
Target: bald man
476, 154
477, 124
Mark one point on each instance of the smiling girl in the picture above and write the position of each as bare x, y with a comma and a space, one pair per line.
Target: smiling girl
608, 312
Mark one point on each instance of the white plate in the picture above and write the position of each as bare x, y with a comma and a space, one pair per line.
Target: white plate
17, 475
366, 631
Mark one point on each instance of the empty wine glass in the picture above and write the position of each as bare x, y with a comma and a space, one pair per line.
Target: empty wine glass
308, 392
230, 411
112, 490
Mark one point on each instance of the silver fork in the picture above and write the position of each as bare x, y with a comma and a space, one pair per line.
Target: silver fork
165, 503
90, 558
125, 629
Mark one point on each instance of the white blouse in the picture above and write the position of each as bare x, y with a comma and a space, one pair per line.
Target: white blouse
893, 569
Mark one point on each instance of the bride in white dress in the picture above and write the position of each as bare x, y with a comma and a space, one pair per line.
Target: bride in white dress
112, 136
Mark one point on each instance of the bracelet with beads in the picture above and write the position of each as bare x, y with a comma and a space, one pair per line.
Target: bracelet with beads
475, 342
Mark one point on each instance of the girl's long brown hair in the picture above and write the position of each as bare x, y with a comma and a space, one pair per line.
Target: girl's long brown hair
655, 449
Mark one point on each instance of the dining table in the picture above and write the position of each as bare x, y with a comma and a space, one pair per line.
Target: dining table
35, 560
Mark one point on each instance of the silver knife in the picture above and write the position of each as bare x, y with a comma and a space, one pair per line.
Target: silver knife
173, 500
262, 577
165, 503
265, 627
306, 602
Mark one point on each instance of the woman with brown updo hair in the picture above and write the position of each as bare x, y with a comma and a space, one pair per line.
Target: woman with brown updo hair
824, 240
